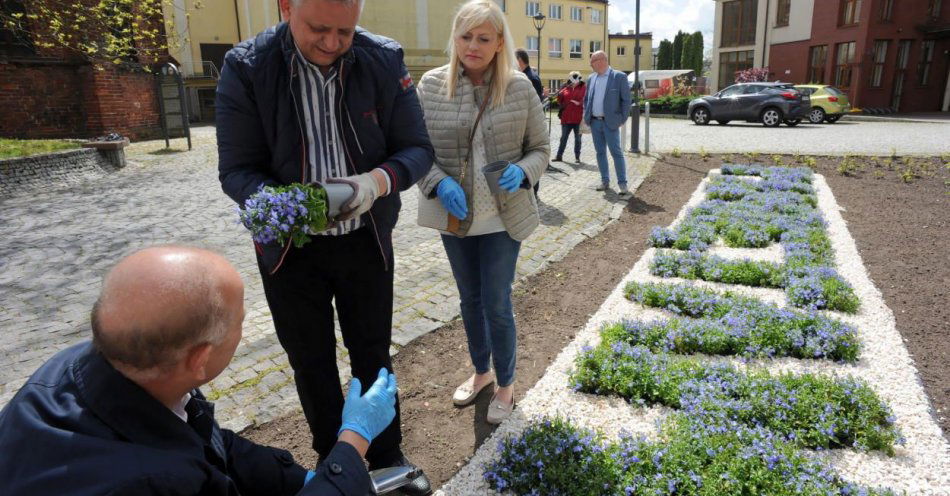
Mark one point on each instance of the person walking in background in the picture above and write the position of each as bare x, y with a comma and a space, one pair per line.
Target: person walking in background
606, 108
524, 66
317, 99
479, 110
571, 102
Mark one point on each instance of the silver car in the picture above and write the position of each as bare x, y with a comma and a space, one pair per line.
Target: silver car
768, 103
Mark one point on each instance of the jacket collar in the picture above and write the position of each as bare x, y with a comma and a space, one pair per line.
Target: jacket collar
133, 413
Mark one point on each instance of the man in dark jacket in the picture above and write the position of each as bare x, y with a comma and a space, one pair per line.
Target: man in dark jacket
122, 415
525, 66
317, 99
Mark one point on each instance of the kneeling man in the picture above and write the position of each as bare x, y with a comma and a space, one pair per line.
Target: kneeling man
122, 415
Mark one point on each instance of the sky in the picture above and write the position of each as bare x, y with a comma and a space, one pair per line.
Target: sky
664, 18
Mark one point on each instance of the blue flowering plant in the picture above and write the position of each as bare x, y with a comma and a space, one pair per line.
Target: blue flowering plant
285, 214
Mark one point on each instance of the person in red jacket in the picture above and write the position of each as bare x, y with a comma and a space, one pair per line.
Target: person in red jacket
571, 102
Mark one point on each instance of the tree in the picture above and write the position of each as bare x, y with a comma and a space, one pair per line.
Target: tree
664, 59
686, 57
98, 31
678, 50
696, 59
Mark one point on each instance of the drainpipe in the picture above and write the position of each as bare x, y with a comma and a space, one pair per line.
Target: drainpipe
237, 21
765, 35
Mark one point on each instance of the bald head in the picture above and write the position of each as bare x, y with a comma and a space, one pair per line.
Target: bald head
598, 62
157, 303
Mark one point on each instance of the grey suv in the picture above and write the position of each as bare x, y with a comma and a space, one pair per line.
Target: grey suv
768, 103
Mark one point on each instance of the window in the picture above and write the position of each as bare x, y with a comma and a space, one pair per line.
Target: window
877, 69
595, 46
14, 43
816, 64
501, 5
596, 16
532, 45
844, 60
926, 58
887, 10
651, 83
555, 84
621, 50
738, 22
554, 11
532, 9
577, 14
731, 62
933, 8
850, 12
577, 49
554, 48
781, 15
734, 90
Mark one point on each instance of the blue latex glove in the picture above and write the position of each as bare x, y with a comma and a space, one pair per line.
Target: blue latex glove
374, 411
310, 475
512, 178
452, 197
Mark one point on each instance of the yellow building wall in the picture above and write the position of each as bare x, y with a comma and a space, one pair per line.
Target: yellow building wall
215, 22
625, 62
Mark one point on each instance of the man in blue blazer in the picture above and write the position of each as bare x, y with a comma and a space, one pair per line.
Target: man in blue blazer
606, 108
122, 415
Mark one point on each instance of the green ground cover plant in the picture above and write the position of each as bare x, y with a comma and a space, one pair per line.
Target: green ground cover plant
13, 148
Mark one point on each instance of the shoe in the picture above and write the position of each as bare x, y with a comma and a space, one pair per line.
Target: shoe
624, 192
419, 486
498, 411
602, 187
558, 159
577, 160
466, 393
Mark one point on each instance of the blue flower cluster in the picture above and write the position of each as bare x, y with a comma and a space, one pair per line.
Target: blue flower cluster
285, 213
806, 410
728, 324
779, 208
690, 459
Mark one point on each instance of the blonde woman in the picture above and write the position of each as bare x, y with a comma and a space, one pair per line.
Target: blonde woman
480, 109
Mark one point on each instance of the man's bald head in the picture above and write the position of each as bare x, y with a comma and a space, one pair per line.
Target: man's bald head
158, 302
598, 62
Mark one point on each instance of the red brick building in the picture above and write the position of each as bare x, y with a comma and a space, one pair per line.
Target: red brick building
53, 93
886, 54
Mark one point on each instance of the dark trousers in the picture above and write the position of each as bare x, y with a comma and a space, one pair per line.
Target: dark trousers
566, 130
348, 270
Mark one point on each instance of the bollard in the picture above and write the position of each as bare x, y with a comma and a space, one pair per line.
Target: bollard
646, 131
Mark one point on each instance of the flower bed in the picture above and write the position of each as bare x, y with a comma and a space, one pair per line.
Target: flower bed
625, 410
729, 324
780, 207
552, 456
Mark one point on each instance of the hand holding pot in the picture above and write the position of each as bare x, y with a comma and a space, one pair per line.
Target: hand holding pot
512, 178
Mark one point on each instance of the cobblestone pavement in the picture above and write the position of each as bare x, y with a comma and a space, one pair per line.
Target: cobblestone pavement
846, 136
59, 240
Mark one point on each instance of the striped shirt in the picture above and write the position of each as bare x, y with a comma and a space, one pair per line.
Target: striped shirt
325, 148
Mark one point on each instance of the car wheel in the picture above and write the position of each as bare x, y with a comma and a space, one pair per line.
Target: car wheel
832, 119
816, 115
722, 123
771, 117
792, 122
701, 116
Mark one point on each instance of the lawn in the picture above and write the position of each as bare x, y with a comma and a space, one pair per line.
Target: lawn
13, 148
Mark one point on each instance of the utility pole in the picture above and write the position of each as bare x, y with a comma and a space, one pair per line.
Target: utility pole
635, 106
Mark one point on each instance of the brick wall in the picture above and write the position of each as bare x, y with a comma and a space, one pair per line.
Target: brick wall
41, 102
120, 101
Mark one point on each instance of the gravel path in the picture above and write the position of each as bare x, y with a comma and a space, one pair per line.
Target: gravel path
922, 466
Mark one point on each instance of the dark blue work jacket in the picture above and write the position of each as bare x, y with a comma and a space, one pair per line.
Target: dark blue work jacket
79, 427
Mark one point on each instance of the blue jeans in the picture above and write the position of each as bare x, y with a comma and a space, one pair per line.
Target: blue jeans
484, 268
566, 130
605, 138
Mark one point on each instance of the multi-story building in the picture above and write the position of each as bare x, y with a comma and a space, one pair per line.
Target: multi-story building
886, 54
621, 51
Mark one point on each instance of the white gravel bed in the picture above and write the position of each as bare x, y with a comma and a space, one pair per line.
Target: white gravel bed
921, 466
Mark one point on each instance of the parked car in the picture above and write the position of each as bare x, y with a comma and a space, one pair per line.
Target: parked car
768, 103
827, 102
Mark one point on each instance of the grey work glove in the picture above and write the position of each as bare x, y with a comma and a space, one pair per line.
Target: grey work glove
367, 187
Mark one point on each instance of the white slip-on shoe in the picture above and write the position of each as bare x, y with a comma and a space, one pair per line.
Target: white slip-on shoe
466, 393
498, 411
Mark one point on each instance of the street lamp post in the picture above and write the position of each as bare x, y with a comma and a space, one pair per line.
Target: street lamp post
539, 25
635, 107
